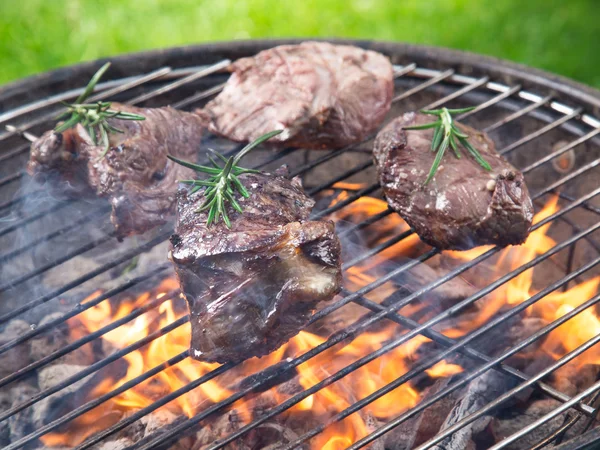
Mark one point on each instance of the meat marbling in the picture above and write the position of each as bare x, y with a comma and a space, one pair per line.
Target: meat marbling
135, 174
463, 206
252, 287
322, 95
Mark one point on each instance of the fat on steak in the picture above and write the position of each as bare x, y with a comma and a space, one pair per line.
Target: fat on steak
463, 206
322, 95
135, 175
252, 287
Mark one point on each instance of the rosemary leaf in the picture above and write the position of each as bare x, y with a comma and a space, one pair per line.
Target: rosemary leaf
445, 135
220, 187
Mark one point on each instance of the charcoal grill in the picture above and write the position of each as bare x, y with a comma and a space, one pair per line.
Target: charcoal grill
535, 118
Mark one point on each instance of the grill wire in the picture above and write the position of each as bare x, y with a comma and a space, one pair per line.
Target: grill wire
556, 115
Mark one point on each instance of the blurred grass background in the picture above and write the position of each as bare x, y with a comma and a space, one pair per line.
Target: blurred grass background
560, 36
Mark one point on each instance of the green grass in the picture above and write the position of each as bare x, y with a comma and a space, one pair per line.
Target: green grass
560, 36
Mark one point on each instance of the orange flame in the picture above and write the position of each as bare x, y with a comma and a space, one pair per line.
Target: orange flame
337, 396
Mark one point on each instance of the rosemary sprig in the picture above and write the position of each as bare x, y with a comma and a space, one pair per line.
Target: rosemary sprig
446, 135
93, 116
223, 181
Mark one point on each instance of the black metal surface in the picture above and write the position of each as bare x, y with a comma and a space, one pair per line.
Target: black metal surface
524, 103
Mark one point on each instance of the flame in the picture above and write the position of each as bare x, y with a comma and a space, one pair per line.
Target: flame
337, 396
444, 369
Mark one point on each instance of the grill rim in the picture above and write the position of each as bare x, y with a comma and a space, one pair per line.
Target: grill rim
144, 62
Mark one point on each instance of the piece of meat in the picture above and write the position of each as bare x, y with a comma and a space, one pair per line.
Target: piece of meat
322, 95
135, 175
252, 287
463, 206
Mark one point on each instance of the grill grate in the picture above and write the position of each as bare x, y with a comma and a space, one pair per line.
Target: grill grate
186, 88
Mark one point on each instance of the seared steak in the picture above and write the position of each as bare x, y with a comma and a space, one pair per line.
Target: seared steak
463, 206
323, 95
135, 174
252, 287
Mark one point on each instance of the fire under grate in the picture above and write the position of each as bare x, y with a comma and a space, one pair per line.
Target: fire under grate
510, 372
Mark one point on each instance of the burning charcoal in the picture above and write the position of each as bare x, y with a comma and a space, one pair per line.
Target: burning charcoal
478, 393
21, 424
573, 377
156, 420
19, 356
372, 424
160, 421
63, 401
449, 293
422, 427
270, 435
223, 426
513, 420
118, 444
5, 403
54, 339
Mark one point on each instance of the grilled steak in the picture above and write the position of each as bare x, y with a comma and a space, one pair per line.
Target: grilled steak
463, 206
323, 95
135, 174
252, 287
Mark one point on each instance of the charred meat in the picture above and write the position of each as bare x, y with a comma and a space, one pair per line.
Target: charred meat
322, 95
463, 206
253, 286
134, 174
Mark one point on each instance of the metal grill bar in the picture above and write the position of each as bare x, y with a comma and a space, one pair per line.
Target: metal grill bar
466, 350
199, 96
348, 333
519, 113
98, 401
375, 395
11, 178
379, 432
561, 150
404, 338
19, 374
73, 93
470, 85
494, 100
468, 88
340, 177
16, 225
561, 362
529, 428
88, 276
81, 375
101, 96
72, 226
422, 86
365, 322
17, 151
18, 199
41, 269
80, 308
540, 132
89, 370
193, 77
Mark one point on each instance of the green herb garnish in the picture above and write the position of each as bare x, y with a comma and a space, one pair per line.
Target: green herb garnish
445, 135
93, 116
222, 182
